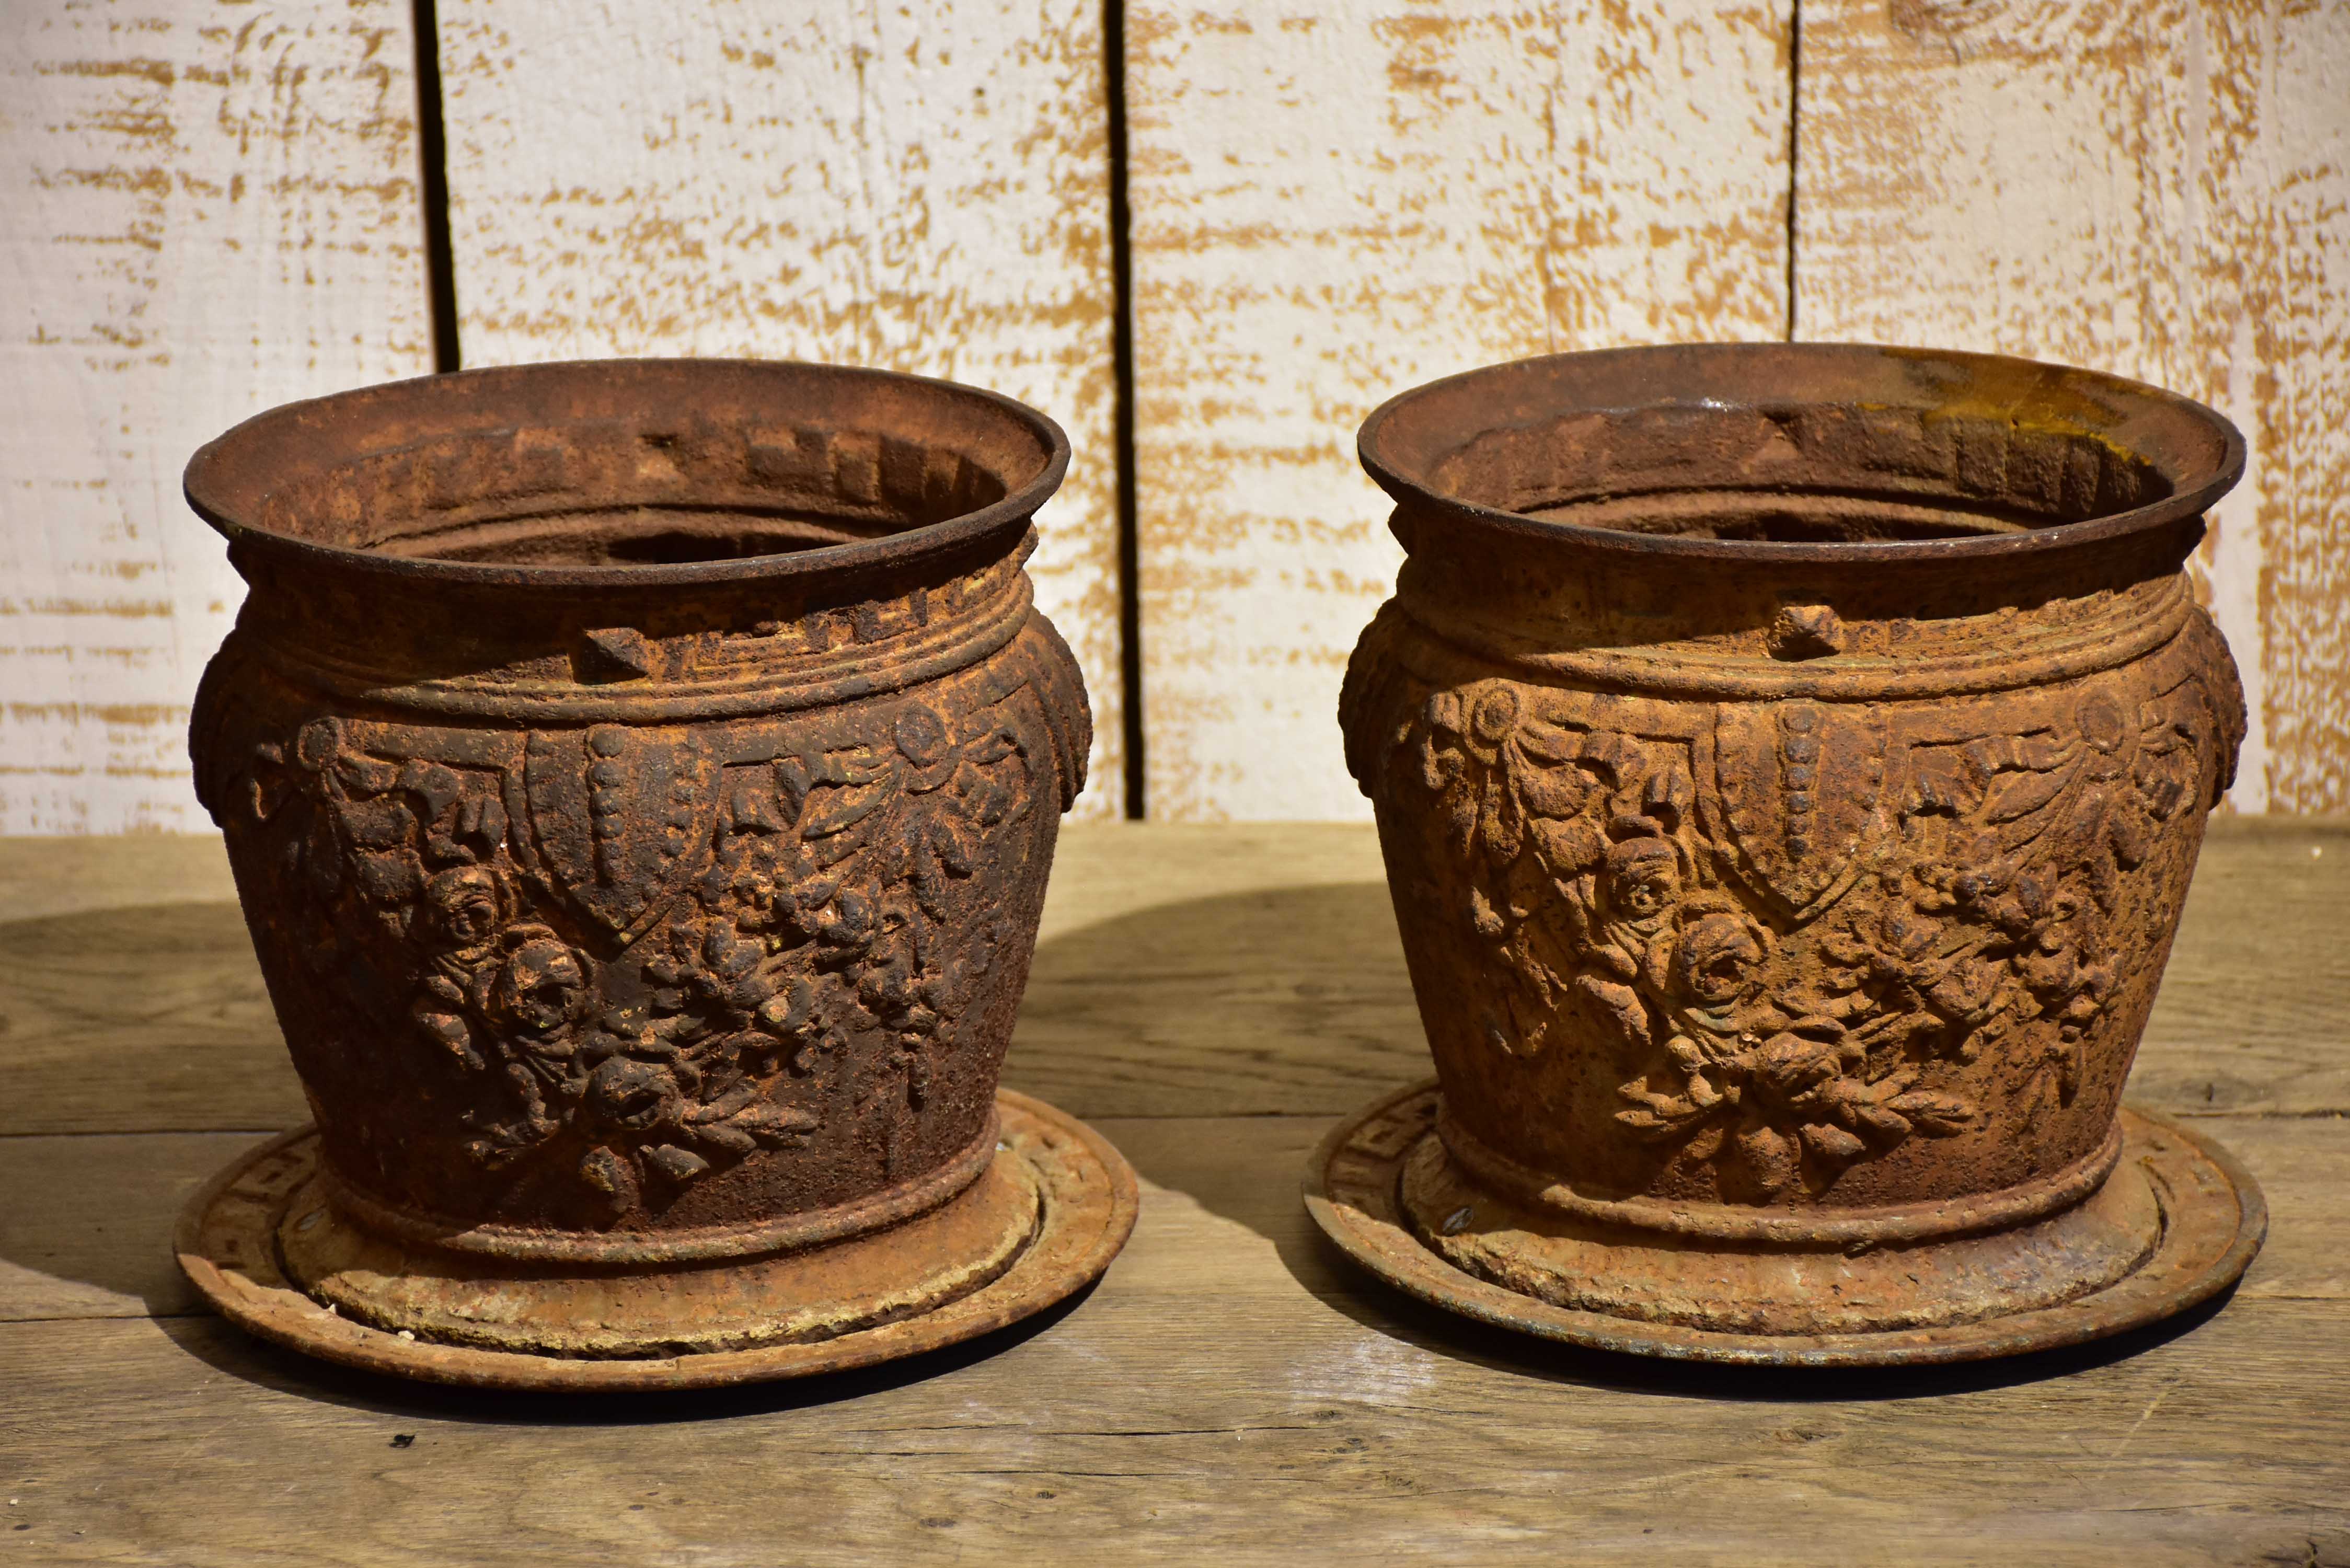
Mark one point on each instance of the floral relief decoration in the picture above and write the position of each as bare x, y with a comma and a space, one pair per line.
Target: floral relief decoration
639, 1035
1796, 962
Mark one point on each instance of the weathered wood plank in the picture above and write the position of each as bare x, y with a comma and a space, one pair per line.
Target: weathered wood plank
206, 208
1233, 1390
88, 1232
1332, 202
2254, 1012
1183, 970
65, 876
922, 189
2158, 189
150, 1018
1145, 1427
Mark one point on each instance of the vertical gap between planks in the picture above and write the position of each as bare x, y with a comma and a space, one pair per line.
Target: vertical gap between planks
1121, 269
1794, 123
433, 162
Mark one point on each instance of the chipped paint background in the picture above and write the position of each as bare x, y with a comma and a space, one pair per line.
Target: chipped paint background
205, 209
1332, 203
212, 207
2159, 188
923, 188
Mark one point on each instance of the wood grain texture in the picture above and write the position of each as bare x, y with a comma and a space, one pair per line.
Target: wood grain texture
2159, 190
918, 188
1332, 203
1227, 1394
67, 875
1233, 1391
88, 1232
206, 208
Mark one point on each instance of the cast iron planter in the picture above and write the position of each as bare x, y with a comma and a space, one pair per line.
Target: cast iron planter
1790, 761
640, 779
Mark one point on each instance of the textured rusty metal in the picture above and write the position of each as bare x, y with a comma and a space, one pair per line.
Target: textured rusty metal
640, 779
1790, 761
227, 1244
2215, 1219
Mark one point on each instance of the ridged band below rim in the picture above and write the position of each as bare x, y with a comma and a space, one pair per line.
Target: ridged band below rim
1673, 671
747, 693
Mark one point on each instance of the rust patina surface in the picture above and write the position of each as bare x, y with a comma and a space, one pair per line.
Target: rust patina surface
1790, 762
641, 779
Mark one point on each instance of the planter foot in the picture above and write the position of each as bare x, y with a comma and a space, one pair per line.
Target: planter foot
1042, 1220
2177, 1222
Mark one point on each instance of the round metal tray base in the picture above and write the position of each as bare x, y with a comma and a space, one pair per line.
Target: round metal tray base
228, 1245
2213, 1220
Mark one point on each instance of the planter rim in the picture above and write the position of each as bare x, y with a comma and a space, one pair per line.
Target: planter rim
230, 477
1399, 448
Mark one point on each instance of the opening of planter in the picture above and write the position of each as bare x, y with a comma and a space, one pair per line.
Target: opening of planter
628, 463
1832, 473
1802, 444
623, 495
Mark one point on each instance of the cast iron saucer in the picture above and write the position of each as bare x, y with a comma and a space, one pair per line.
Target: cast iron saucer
227, 1244
2214, 1219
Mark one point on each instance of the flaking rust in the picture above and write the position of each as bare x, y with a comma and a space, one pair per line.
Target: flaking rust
641, 779
1790, 762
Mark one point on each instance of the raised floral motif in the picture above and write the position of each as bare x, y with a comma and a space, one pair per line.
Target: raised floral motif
673, 991
1800, 927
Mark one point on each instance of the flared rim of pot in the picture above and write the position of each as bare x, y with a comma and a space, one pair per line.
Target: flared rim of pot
1923, 428
961, 465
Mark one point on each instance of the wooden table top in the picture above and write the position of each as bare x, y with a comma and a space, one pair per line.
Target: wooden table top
1211, 997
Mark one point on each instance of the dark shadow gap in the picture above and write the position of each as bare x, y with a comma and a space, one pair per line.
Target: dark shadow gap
1122, 270
432, 159
1794, 123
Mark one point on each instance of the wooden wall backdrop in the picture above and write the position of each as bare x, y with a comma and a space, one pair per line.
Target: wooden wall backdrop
2155, 187
206, 208
209, 206
1334, 200
923, 188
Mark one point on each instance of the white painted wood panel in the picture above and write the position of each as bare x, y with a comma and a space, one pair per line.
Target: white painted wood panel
209, 207
1333, 202
206, 208
2161, 190
923, 188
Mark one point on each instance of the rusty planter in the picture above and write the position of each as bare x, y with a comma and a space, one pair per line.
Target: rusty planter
641, 779
1789, 761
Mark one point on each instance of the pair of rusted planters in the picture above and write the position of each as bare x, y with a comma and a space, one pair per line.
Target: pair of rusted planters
641, 778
